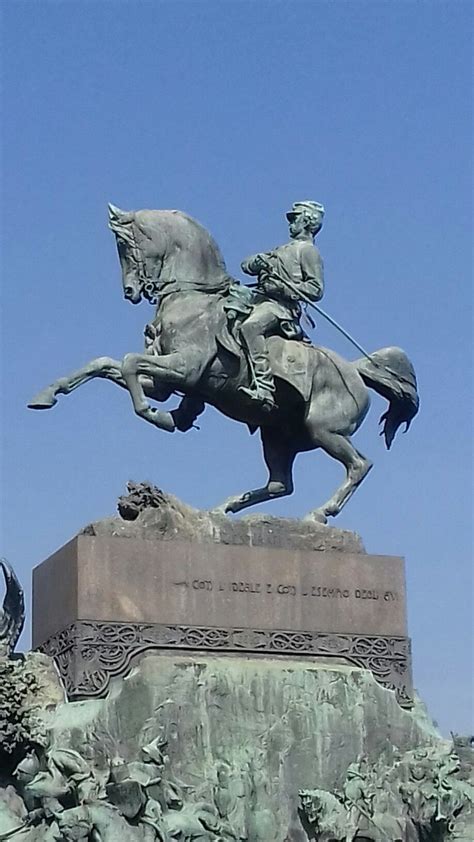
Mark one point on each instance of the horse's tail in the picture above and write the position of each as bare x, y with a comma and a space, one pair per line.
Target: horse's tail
391, 374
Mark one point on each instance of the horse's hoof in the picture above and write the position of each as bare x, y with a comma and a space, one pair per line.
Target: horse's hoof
43, 400
231, 508
228, 507
161, 419
317, 516
221, 510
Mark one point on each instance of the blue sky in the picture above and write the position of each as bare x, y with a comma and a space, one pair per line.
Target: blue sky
231, 111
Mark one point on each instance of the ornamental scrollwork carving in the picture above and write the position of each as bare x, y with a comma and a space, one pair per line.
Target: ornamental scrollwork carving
88, 654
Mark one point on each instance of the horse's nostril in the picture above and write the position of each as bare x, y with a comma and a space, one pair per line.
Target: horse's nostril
129, 292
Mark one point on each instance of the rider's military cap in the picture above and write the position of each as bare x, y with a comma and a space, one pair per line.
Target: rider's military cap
299, 207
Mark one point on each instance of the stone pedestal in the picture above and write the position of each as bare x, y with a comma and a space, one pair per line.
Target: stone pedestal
234, 679
252, 587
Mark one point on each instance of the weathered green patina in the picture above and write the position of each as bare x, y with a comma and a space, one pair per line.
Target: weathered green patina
202, 749
209, 748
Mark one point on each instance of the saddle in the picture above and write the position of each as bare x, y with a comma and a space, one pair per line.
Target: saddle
290, 358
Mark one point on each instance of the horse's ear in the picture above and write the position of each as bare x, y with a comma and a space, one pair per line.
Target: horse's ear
118, 215
113, 211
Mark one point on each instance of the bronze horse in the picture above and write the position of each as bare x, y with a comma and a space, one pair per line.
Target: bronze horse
322, 399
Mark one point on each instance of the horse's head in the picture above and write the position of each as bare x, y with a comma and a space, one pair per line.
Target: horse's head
165, 250
140, 256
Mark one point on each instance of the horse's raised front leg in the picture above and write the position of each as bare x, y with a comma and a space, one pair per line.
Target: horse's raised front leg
174, 371
279, 456
356, 465
105, 367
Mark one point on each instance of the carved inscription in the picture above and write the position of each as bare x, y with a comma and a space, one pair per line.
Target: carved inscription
289, 589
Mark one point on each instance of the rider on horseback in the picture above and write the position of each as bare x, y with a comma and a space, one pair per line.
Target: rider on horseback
275, 307
183, 349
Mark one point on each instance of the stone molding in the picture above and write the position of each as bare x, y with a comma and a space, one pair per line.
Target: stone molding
89, 653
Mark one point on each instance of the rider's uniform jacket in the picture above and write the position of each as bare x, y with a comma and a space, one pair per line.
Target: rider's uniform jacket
297, 262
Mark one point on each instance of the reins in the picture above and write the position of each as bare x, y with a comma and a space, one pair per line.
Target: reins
147, 286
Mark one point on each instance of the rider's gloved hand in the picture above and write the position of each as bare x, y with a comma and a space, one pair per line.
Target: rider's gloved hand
255, 264
262, 263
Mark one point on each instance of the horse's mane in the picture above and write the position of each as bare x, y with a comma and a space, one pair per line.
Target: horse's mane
194, 251
178, 223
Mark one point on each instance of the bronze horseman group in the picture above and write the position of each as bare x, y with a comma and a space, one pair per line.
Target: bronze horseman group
243, 349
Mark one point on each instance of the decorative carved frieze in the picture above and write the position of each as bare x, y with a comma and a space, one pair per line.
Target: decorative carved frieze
88, 654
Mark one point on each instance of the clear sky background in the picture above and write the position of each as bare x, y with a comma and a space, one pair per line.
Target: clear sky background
231, 111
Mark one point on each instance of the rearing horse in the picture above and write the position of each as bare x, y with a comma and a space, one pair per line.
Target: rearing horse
322, 399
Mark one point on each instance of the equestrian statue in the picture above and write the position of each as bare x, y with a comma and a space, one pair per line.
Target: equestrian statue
243, 349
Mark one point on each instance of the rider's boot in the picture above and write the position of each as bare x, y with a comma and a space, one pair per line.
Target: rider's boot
262, 391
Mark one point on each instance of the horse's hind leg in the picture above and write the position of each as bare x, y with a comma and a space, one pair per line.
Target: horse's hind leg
356, 465
279, 456
105, 367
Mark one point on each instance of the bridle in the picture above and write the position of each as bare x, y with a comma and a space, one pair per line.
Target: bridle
147, 286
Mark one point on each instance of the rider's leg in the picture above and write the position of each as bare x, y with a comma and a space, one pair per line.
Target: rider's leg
254, 329
279, 456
